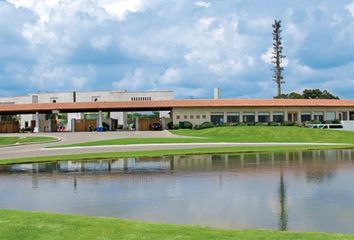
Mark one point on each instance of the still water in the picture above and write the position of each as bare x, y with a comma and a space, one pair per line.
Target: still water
302, 191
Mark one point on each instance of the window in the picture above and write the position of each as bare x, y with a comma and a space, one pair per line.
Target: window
248, 117
177, 117
204, 116
197, 116
305, 116
191, 116
217, 118
344, 116
185, 117
26, 124
319, 116
264, 117
278, 117
233, 117
330, 116
53, 99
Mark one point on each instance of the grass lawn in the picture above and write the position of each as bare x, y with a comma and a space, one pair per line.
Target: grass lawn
239, 134
36, 225
154, 153
4, 141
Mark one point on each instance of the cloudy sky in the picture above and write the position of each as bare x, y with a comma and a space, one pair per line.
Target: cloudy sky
189, 46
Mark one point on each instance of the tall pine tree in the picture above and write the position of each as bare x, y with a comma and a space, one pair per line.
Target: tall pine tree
277, 56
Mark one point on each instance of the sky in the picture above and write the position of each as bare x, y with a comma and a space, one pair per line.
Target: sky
189, 46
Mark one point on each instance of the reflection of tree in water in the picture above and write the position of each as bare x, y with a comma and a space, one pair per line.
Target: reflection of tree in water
320, 174
283, 218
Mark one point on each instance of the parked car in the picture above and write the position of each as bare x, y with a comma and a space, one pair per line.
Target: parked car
327, 126
156, 127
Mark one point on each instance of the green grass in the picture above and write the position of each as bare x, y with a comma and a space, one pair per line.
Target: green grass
5, 141
239, 134
48, 226
159, 153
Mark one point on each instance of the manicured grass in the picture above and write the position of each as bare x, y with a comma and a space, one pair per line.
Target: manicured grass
158, 153
270, 134
239, 134
37, 225
4, 141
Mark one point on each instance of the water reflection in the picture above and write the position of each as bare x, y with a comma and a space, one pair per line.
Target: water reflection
296, 190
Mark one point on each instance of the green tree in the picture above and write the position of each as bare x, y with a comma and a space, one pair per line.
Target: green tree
277, 56
308, 94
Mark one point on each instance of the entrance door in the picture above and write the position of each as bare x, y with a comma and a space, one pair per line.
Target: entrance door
292, 117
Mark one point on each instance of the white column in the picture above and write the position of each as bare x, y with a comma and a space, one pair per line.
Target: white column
299, 118
50, 125
256, 117
125, 120
286, 119
241, 116
36, 128
100, 119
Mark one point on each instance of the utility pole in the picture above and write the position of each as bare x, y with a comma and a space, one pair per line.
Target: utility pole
277, 56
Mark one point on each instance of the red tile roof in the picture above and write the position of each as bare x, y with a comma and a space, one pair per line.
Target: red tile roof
169, 104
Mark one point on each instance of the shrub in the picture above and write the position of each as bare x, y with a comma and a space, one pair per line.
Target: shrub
120, 126
206, 125
175, 126
315, 122
336, 121
261, 124
188, 125
242, 124
170, 125
273, 124
288, 124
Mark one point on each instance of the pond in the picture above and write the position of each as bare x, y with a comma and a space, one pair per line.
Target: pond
300, 191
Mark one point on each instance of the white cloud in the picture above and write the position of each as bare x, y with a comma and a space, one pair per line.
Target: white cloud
120, 9
350, 8
101, 42
267, 58
170, 76
202, 4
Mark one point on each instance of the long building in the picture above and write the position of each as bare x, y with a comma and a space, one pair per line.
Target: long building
218, 111
26, 118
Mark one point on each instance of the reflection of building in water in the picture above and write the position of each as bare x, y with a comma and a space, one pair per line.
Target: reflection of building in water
313, 163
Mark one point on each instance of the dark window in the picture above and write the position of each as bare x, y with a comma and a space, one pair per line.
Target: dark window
204, 116
191, 116
197, 116
248, 118
217, 119
233, 119
278, 118
264, 118
185, 116
305, 117
177, 117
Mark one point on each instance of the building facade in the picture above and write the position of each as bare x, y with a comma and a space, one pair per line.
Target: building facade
77, 97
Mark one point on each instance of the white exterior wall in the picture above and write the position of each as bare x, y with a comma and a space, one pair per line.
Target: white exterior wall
67, 97
200, 111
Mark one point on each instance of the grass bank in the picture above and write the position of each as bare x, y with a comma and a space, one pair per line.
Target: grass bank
154, 153
37, 225
239, 134
6, 141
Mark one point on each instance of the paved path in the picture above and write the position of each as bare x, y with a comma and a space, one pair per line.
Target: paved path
36, 150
